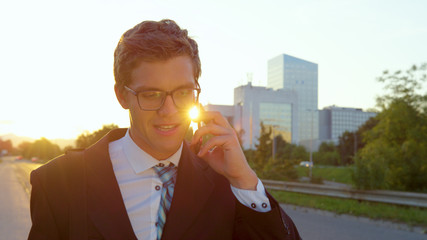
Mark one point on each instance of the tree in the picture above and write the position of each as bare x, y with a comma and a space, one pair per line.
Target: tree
287, 155
41, 148
395, 154
346, 141
290, 152
327, 147
67, 148
6, 145
346, 147
86, 139
281, 167
263, 150
327, 154
23, 148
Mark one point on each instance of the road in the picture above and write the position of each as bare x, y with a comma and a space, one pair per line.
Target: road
14, 199
319, 225
312, 224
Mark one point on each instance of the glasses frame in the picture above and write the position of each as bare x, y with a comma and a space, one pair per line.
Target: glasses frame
168, 93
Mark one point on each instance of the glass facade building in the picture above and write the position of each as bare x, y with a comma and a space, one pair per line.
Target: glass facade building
278, 116
294, 74
334, 121
227, 111
274, 108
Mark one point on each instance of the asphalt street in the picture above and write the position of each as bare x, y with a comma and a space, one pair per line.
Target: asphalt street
312, 224
15, 219
319, 225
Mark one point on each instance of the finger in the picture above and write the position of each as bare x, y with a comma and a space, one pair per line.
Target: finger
209, 129
218, 141
216, 117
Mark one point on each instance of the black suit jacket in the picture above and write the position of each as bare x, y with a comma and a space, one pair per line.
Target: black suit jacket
76, 196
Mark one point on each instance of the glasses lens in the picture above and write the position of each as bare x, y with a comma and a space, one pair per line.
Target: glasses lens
151, 99
185, 97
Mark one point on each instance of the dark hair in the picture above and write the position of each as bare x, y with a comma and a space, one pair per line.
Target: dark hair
153, 41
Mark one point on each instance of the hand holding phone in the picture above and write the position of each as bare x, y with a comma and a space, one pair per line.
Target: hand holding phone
217, 143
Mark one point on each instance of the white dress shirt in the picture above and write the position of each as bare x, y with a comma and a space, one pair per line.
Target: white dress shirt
140, 186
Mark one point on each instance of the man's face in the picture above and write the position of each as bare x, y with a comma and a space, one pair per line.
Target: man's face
161, 132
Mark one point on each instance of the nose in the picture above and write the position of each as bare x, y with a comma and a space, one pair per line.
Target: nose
168, 107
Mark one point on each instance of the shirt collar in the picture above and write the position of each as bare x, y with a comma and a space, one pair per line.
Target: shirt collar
140, 160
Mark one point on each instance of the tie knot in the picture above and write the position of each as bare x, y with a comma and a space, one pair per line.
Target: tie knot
166, 174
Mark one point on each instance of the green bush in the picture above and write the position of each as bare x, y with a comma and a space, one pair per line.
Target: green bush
395, 154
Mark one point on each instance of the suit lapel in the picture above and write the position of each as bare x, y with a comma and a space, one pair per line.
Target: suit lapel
105, 203
192, 190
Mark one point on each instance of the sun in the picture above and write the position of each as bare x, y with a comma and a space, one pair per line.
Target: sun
194, 113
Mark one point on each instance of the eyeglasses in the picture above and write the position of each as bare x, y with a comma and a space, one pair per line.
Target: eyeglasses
151, 100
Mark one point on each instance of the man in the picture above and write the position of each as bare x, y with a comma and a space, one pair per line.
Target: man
145, 182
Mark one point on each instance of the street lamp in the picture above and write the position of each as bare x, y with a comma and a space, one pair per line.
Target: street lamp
273, 143
311, 143
273, 127
354, 133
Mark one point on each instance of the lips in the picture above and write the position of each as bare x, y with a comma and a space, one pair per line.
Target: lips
166, 129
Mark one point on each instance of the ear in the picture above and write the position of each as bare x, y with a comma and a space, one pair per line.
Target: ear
121, 97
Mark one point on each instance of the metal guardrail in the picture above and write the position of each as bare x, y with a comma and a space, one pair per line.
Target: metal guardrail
394, 197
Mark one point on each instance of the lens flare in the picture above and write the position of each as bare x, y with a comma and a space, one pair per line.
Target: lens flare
194, 126
194, 113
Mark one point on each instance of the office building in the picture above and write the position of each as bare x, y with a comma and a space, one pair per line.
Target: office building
334, 121
277, 109
226, 110
301, 76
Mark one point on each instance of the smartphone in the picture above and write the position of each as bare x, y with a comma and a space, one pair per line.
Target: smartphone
196, 147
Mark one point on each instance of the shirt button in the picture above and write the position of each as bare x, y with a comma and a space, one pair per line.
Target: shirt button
161, 165
264, 205
253, 205
157, 187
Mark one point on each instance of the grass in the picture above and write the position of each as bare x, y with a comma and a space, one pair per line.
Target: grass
329, 173
409, 215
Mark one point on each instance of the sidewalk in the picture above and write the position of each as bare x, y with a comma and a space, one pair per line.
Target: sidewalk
15, 219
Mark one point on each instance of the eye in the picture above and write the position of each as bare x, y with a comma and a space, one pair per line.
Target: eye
184, 92
151, 94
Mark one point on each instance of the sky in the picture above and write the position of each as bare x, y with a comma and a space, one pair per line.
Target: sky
56, 57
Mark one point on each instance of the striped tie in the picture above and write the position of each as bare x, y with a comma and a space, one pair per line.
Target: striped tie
167, 176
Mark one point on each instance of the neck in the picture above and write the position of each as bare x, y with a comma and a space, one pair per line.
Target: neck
158, 155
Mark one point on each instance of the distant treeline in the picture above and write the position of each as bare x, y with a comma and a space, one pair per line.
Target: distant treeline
45, 150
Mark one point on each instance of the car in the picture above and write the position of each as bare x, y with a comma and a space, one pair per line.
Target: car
34, 159
18, 158
306, 164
